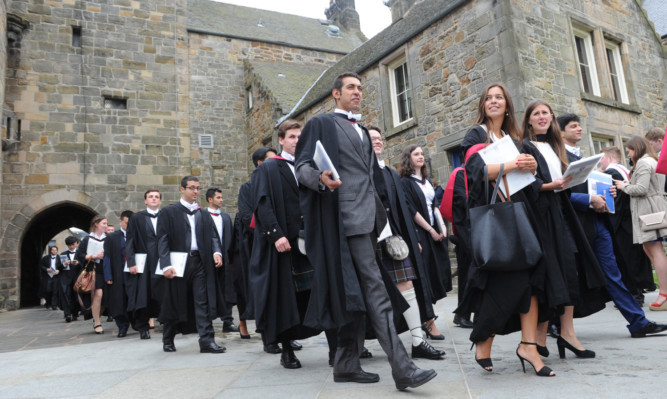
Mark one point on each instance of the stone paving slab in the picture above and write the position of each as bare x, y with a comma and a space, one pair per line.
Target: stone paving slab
41, 356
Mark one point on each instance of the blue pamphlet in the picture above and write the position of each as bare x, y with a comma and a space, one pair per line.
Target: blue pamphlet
603, 190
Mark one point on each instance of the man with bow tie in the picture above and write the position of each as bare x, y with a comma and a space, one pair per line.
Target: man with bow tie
48, 267
223, 281
188, 305
69, 270
114, 262
280, 275
342, 220
141, 248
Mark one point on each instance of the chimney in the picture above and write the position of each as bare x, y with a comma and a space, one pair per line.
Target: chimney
400, 8
343, 14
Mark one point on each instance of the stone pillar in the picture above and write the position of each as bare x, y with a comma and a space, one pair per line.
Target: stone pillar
399, 8
344, 14
3, 72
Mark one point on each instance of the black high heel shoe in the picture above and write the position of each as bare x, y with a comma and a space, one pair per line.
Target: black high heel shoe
427, 327
485, 363
544, 371
542, 350
562, 344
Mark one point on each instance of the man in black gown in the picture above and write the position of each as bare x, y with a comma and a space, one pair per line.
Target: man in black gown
114, 263
68, 274
341, 230
280, 275
142, 241
187, 304
48, 268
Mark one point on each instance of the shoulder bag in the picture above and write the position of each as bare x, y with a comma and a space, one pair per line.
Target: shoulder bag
653, 221
503, 239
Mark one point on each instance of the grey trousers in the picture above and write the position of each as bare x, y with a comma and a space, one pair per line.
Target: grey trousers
379, 312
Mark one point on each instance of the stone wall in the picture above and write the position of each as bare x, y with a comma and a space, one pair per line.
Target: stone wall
7, 277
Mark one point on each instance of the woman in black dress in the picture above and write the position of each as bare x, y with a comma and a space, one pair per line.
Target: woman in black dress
576, 277
503, 302
420, 196
98, 226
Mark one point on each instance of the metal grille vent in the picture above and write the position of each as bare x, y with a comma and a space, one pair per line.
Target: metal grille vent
205, 141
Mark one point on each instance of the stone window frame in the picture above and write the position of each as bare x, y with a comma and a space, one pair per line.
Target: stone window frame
616, 71
386, 67
598, 139
249, 99
587, 47
599, 40
396, 67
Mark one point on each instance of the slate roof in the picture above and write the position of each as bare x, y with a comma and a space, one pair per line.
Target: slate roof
234, 21
657, 13
421, 16
287, 83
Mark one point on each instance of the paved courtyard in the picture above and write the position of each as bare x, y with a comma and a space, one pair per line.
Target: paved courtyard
43, 357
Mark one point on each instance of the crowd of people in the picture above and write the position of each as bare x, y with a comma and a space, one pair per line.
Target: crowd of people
329, 238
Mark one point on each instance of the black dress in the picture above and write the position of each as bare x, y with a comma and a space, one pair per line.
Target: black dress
434, 254
573, 275
89, 266
497, 298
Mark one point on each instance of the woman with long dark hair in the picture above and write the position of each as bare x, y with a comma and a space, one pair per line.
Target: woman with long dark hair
503, 302
646, 189
98, 227
420, 197
574, 277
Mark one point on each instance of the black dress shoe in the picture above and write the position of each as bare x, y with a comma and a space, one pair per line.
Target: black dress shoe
462, 322
289, 360
144, 334
295, 345
122, 333
365, 354
418, 378
650, 328
426, 351
211, 347
272, 348
168, 347
68, 318
360, 376
553, 330
229, 326
109, 319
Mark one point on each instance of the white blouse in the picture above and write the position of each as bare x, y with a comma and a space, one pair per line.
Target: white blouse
552, 159
429, 194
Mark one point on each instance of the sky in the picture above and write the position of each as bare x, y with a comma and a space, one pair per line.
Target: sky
373, 14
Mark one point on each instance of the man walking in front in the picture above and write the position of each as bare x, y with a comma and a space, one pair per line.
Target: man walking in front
340, 230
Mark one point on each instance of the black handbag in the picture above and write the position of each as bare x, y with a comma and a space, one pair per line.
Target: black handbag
503, 239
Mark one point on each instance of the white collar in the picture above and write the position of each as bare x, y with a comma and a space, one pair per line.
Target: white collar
287, 156
381, 163
191, 207
152, 212
213, 211
98, 238
348, 114
575, 150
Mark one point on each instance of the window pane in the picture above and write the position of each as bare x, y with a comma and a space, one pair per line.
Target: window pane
583, 64
402, 95
614, 74
400, 79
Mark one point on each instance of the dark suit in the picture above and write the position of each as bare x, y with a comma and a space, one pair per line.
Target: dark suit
67, 276
49, 285
115, 298
142, 239
186, 306
343, 230
600, 240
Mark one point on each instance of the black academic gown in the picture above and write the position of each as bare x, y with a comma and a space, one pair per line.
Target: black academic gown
574, 276
66, 297
497, 298
173, 230
401, 222
336, 296
632, 261
244, 236
461, 232
49, 285
142, 239
115, 298
221, 276
435, 254
278, 311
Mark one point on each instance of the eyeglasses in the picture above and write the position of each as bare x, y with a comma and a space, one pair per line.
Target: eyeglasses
378, 139
194, 188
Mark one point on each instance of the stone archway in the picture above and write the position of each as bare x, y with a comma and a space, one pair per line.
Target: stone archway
28, 233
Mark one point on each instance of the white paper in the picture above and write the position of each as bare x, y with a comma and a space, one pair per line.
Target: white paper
579, 170
178, 260
385, 233
439, 222
94, 246
140, 262
503, 151
323, 161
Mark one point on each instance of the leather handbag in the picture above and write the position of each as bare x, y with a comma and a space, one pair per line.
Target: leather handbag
85, 283
653, 221
396, 247
502, 236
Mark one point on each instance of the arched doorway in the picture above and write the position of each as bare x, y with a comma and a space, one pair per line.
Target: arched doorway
41, 228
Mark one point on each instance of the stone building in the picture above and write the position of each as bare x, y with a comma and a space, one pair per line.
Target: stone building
424, 74
104, 99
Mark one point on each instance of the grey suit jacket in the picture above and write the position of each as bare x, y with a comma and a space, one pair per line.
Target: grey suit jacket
356, 196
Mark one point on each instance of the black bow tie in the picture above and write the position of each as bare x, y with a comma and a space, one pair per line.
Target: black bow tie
289, 162
53, 257
189, 212
153, 215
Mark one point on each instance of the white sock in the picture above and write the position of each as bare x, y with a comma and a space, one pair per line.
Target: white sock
412, 317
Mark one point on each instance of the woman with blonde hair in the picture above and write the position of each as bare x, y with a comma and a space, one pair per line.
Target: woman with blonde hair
93, 262
647, 196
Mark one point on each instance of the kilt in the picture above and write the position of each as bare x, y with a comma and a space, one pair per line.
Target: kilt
399, 270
